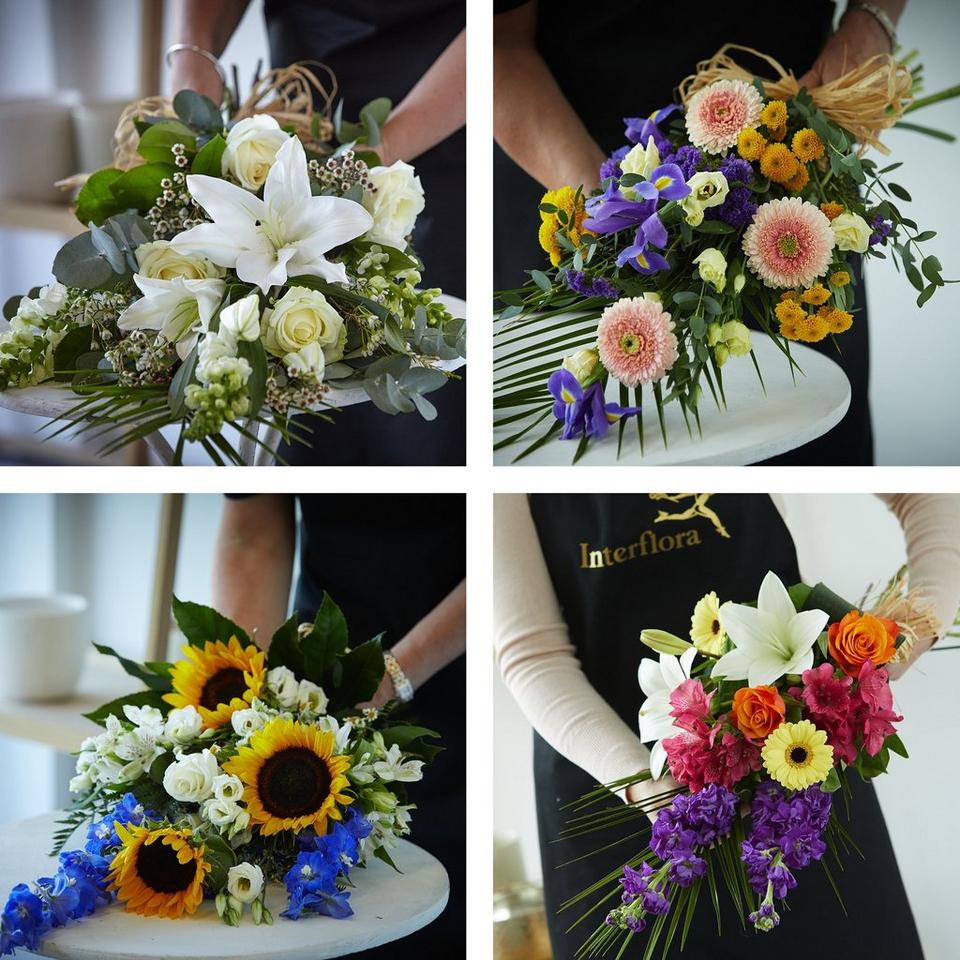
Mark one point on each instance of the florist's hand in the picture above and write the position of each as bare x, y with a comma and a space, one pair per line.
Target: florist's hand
896, 670
384, 694
190, 71
858, 38
639, 792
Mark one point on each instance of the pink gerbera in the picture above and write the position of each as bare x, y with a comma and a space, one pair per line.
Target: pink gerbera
636, 341
717, 114
789, 243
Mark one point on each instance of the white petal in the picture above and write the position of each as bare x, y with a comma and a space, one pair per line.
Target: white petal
232, 207
746, 626
656, 728
803, 630
686, 661
658, 760
775, 599
214, 242
186, 343
265, 266
322, 268
209, 293
143, 314
766, 668
673, 674
288, 184
651, 678
327, 222
733, 665
801, 662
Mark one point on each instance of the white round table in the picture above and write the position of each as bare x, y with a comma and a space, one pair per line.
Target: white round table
754, 426
387, 906
51, 400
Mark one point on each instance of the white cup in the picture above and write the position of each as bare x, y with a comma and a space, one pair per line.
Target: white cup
36, 149
43, 640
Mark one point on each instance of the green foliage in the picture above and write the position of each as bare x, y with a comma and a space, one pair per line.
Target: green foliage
209, 159
256, 356
96, 200
176, 397
156, 143
198, 111
373, 115
139, 187
823, 598
200, 624
156, 676
103, 258
221, 858
144, 698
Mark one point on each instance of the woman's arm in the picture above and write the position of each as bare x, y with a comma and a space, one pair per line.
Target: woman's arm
437, 640
253, 563
208, 24
433, 110
532, 120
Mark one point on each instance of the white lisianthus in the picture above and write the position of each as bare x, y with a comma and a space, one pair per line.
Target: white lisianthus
160, 261
251, 149
395, 205
311, 698
713, 268
245, 882
221, 813
228, 787
247, 722
851, 232
393, 767
190, 778
302, 317
183, 725
709, 188
283, 684
306, 363
582, 364
241, 320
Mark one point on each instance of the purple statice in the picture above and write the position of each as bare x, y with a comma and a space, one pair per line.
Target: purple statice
579, 282
737, 209
737, 170
881, 230
687, 159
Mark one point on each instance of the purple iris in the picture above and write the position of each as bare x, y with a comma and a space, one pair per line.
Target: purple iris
640, 256
611, 211
666, 182
640, 129
583, 411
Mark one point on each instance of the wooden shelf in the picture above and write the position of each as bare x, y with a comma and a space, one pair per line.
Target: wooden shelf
51, 217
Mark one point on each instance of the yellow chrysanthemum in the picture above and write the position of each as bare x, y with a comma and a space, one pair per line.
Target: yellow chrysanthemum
839, 279
774, 114
778, 163
806, 145
706, 631
751, 144
816, 295
790, 295
789, 309
564, 199
778, 134
797, 755
799, 180
837, 321
158, 873
218, 679
292, 777
831, 210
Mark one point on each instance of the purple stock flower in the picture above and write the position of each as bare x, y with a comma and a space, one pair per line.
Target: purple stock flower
686, 868
735, 168
687, 159
579, 282
635, 881
737, 210
583, 411
710, 813
655, 902
881, 230
765, 919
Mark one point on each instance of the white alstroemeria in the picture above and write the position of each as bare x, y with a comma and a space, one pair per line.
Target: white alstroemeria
658, 679
183, 725
393, 767
138, 749
771, 639
148, 719
341, 731
283, 684
228, 787
285, 234
180, 309
311, 698
244, 882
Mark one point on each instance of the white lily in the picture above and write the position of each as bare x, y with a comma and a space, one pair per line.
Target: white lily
287, 233
658, 679
771, 639
180, 309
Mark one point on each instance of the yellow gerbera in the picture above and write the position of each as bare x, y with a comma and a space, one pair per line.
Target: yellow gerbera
751, 144
292, 777
778, 163
797, 755
774, 114
158, 873
816, 295
806, 145
839, 279
564, 199
706, 631
218, 679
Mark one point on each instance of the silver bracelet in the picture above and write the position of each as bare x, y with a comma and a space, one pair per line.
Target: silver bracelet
881, 16
193, 48
401, 685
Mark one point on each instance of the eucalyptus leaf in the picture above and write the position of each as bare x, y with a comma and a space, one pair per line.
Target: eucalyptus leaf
198, 111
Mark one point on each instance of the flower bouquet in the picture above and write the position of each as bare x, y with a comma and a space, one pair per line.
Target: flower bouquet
234, 768
235, 272
758, 719
743, 203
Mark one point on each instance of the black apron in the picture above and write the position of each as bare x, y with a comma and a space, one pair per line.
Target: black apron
624, 60
378, 48
387, 561
616, 569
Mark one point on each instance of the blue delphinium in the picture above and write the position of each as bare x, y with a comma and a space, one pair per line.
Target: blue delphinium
102, 834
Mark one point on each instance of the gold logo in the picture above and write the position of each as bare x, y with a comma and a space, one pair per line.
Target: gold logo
698, 508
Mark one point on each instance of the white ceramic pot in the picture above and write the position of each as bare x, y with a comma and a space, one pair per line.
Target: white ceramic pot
93, 126
43, 640
36, 149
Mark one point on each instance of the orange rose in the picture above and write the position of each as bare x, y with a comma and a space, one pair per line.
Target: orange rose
859, 637
758, 711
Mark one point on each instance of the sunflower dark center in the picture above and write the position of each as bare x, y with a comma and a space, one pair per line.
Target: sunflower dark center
222, 687
159, 869
798, 755
293, 783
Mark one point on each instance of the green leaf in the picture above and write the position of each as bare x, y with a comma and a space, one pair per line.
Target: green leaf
326, 642
832, 783
285, 649
154, 680
684, 298
199, 624
541, 280
156, 143
78, 263
799, 593
176, 396
96, 200
714, 226
256, 356
198, 111
381, 854
209, 161
220, 856
926, 294
74, 344
899, 192
931, 268
362, 672
404, 734
145, 698
372, 117
10, 307
823, 598
913, 275
159, 766
140, 186
393, 336
894, 743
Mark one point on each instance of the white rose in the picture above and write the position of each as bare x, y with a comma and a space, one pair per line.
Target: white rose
228, 787
183, 725
311, 698
241, 320
283, 684
190, 779
221, 813
244, 882
307, 362
395, 205
851, 232
247, 722
160, 261
252, 146
713, 268
302, 317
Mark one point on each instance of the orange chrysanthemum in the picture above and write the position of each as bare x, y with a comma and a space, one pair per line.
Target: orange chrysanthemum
751, 144
816, 295
778, 134
778, 163
790, 295
774, 114
831, 210
799, 180
806, 145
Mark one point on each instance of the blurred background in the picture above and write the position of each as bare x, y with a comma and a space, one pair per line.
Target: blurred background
848, 542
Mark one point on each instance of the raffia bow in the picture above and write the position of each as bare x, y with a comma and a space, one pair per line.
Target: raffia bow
910, 609
864, 101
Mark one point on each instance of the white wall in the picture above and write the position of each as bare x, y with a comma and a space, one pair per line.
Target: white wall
848, 542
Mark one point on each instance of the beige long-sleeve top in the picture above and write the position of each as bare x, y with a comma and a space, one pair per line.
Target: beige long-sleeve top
540, 666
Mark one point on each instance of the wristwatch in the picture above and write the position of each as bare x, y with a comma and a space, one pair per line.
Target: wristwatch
881, 16
401, 685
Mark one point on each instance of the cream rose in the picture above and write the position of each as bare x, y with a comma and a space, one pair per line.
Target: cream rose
183, 725
190, 779
302, 317
851, 232
160, 261
395, 205
252, 146
283, 684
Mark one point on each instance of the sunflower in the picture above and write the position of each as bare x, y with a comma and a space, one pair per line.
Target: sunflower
158, 873
706, 631
292, 777
797, 755
218, 680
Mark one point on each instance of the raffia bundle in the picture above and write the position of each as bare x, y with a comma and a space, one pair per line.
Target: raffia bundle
864, 101
909, 608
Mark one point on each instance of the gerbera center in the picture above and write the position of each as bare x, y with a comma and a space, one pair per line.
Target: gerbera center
798, 756
631, 343
715, 626
293, 783
788, 245
222, 687
159, 868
